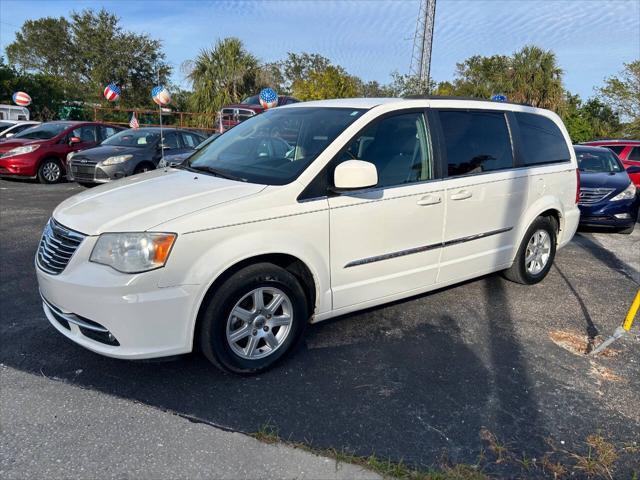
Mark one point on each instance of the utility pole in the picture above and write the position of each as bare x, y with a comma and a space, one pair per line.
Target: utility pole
423, 41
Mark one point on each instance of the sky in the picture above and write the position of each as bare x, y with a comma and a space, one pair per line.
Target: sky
372, 38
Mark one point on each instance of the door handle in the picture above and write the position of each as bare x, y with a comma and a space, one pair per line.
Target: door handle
429, 200
461, 195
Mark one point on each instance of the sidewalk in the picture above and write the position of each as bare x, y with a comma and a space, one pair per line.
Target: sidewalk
53, 429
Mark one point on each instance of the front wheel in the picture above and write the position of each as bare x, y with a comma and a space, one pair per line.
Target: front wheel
50, 171
254, 319
536, 253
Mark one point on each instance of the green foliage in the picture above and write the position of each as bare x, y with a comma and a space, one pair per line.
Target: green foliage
224, 74
531, 75
406, 85
586, 121
86, 53
331, 82
622, 94
46, 92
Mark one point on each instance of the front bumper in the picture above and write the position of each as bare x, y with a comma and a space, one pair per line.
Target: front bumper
619, 214
18, 167
97, 173
145, 321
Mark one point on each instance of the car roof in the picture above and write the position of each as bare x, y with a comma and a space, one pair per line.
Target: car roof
435, 101
590, 148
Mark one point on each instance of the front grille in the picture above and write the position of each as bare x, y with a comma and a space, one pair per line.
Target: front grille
83, 168
236, 115
57, 246
589, 196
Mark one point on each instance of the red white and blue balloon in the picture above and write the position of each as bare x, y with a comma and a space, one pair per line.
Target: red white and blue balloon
268, 98
112, 92
161, 95
21, 98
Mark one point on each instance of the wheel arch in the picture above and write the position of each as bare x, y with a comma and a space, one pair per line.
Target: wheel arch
544, 207
291, 263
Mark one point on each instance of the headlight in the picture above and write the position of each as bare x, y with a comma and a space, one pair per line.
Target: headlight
117, 159
133, 252
20, 150
627, 194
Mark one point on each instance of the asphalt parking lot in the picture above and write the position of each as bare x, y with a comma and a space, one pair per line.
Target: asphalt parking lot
452, 376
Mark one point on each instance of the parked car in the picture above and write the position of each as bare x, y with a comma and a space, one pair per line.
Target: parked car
237, 250
181, 157
10, 128
608, 197
627, 150
40, 152
233, 114
128, 153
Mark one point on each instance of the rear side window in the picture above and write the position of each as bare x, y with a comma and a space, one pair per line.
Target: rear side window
476, 142
617, 149
635, 154
541, 139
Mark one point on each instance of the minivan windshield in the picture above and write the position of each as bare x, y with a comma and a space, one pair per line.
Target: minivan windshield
273, 148
596, 161
133, 138
44, 131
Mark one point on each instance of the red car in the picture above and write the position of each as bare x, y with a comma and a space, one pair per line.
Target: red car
627, 150
233, 114
41, 152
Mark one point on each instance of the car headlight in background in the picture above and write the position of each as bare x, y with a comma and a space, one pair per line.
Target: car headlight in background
133, 252
117, 159
20, 150
627, 194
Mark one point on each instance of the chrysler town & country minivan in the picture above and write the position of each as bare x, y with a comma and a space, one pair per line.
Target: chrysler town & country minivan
304, 213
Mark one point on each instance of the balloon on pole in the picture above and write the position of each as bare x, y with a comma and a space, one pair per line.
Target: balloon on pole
268, 98
112, 92
161, 95
21, 98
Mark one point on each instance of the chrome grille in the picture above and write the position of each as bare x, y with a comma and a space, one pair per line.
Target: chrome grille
57, 246
82, 168
589, 196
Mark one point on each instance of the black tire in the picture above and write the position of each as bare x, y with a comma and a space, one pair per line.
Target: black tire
143, 167
47, 168
518, 272
216, 312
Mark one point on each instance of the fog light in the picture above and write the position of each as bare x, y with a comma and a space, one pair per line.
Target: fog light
622, 216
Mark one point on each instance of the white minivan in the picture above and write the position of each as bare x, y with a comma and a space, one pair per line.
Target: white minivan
304, 213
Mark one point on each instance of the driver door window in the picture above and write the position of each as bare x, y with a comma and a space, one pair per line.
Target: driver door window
171, 140
398, 146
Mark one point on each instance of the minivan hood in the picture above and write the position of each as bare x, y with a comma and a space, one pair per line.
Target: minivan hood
616, 180
140, 202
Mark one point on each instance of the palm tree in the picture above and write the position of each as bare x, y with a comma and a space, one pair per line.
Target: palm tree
536, 78
221, 75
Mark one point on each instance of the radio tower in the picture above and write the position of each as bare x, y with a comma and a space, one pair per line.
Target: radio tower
423, 40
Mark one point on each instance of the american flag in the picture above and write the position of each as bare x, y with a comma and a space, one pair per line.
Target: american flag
133, 123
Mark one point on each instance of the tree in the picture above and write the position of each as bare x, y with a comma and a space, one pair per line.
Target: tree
331, 82
46, 93
531, 75
88, 52
224, 74
407, 85
622, 94
299, 66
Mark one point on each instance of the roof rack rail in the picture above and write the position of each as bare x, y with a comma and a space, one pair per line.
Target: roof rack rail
453, 97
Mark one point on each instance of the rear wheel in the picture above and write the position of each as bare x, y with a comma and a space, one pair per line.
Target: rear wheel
536, 253
49, 171
254, 319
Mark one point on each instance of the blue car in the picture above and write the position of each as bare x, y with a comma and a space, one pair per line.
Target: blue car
608, 198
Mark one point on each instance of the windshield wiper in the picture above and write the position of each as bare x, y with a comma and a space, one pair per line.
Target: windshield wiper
216, 172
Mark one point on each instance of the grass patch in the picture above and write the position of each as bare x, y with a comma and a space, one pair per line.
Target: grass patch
596, 460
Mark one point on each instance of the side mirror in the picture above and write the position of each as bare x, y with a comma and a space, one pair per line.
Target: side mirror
355, 174
633, 169
74, 140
